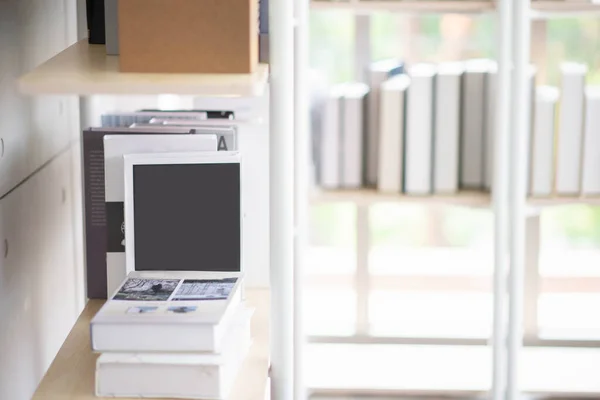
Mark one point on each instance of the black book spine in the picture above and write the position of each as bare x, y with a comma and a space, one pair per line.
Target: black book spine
96, 24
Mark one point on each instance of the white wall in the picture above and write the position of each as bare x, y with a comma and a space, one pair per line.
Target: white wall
41, 270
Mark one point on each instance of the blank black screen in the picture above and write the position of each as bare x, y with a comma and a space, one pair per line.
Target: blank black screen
187, 217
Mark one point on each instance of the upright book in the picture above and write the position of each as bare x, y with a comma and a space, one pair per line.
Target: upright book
473, 147
379, 71
331, 140
111, 19
226, 131
353, 133
94, 190
420, 130
126, 119
392, 126
447, 127
590, 183
491, 95
172, 311
115, 147
183, 211
95, 205
542, 141
570, 129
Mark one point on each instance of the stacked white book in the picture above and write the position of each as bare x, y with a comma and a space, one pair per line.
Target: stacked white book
173, 335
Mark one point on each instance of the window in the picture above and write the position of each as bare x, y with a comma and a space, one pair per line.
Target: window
388, 276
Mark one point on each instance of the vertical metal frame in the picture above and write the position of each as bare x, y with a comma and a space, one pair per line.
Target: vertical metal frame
362, 276
302, 161
281, 196
520, 130
362, 59
532, 277
500, 192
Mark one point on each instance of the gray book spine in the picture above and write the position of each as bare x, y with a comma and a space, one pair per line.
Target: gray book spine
111, 22
472, 172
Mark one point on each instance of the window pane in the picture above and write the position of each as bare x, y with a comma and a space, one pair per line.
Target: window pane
430, 271
570, 272
431, 38
573, 39
332, 43
329, 295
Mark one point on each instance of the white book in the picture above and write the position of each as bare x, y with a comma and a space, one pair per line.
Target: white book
419, 130
491, 94
125, 119
447, 127
151, 308
202, 376
183, 211
570, 129
542, 143
115, 147
591, 150
391, 140
353, 131
226, 130
532, 71
330, 148
472, 171
379, 71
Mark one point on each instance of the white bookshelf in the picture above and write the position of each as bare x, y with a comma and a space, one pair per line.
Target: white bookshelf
466, 198
407, 6
539, 9
372, 196
84, 69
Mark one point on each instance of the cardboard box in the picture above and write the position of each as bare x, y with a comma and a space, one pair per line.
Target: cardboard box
188, 36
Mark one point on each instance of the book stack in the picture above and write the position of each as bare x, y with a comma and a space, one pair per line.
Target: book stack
163, 200
182, 335
429, 129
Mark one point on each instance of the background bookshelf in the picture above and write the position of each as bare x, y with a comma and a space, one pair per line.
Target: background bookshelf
539, 8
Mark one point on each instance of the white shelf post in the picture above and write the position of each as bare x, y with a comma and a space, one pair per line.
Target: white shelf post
303, 162
281, 196
520, 131
500, 195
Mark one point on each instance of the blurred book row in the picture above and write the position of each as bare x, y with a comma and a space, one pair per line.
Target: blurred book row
430, 128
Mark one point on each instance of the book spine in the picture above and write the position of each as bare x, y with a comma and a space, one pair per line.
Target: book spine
591, 155
95, 214
352, 146
568, 168
391, 141
330, 140
472, 140
373, 131
111, 18
491, 93
419, 136
542, 147
447, 134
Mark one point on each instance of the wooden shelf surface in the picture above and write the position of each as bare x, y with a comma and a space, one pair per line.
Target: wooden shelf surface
462, 198
84, 69
71, 374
